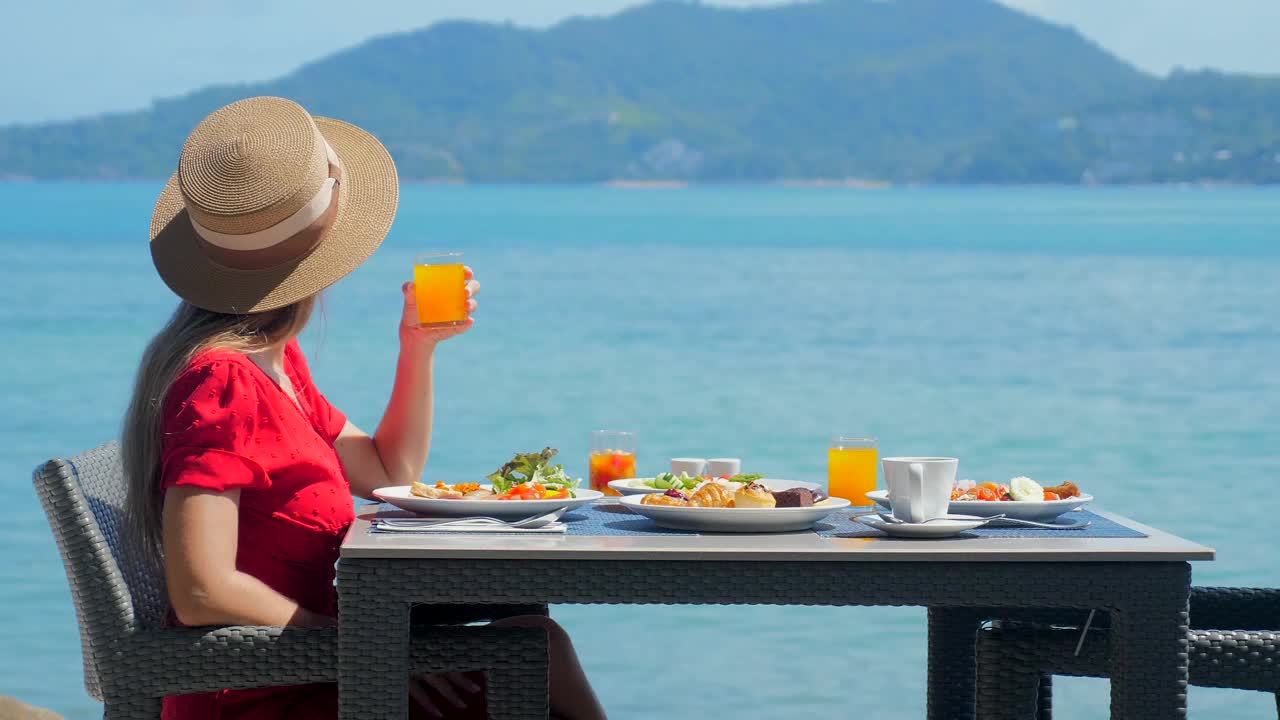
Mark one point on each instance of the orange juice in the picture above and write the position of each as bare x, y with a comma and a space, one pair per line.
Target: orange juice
610, 465
441, 291
851, 473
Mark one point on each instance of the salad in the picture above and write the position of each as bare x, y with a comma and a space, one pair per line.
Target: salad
685, 481
531, 476
527, 476
1019, 489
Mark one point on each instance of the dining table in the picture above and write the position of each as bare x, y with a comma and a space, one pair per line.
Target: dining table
1138, 574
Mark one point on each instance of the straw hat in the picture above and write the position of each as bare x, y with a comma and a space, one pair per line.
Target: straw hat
238, 229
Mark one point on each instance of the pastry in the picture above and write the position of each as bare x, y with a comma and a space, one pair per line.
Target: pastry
1066, 490
480, 495
671, 497
435, 493
795, 497
713, 495
754, 495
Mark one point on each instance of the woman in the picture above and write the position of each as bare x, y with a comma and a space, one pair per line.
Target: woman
241, 471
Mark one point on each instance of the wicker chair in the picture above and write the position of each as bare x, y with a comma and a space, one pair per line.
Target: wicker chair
131, 661
1018, 657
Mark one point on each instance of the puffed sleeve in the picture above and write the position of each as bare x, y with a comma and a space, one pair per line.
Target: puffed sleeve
208, 428
329, 418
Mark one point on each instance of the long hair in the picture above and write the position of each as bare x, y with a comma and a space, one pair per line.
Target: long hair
189, 332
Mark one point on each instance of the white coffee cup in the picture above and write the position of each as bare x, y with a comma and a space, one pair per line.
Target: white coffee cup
920, 487
689, 466
724, 466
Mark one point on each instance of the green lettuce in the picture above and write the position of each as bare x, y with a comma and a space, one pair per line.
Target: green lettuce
532, 467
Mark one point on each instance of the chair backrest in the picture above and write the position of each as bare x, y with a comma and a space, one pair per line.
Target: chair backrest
114, 594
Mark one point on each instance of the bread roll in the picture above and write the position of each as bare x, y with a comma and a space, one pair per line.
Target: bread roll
754, 495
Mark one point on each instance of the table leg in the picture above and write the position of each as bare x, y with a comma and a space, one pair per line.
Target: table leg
1149, 644
952, 644
373, 650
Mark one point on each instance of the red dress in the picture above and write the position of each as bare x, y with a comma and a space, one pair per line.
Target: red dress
228, 425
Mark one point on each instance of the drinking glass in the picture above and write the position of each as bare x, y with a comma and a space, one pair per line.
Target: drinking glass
613, 457
851, 468
440, 285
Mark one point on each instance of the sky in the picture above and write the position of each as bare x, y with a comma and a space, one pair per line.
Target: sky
70, 58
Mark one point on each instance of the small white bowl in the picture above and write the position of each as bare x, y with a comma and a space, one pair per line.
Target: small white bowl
690, 466
718, 467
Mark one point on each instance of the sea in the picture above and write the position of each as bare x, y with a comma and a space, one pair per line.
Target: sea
1127, 339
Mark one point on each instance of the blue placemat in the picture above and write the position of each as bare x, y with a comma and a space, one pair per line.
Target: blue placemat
614, 519
842, 524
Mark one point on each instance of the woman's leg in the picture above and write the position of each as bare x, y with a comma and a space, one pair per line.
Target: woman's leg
571, 695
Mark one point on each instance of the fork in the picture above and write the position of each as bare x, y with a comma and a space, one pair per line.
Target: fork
528, 523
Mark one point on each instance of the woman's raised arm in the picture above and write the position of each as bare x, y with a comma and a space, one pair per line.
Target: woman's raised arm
397, 452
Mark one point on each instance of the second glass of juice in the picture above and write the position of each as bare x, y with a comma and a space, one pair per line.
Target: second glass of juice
613, 457
851, 468
440, 287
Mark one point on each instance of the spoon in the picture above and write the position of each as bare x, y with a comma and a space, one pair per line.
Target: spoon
1003, 520
896, 521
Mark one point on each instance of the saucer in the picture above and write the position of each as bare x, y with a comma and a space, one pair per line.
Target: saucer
940, 528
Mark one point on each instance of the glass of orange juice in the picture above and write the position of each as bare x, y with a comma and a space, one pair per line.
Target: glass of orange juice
851, 468
440, 285
613, 457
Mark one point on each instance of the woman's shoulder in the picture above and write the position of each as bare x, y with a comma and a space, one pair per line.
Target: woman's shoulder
209, 377
215, 363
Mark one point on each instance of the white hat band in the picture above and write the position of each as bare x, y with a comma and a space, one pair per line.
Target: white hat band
283, 230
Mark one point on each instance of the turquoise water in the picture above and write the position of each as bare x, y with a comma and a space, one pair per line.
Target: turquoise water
1126, 339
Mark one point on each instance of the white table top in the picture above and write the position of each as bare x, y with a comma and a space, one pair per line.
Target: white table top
1158, 546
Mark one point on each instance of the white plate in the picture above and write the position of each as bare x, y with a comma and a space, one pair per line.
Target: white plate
951, 525
400, 496
636, 486
741, 520
1042, 511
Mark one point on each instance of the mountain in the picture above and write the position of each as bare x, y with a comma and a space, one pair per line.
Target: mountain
1191, 127
902, 90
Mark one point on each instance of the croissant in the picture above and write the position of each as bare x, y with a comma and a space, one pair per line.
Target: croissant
663, 499
712, 495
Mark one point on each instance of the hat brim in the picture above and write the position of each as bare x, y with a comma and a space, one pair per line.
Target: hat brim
367, 200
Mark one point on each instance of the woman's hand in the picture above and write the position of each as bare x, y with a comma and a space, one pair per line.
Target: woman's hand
411, 333
449, 686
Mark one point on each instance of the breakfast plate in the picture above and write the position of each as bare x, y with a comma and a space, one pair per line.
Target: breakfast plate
1037, 510
636, 486
401, 497
729, 519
